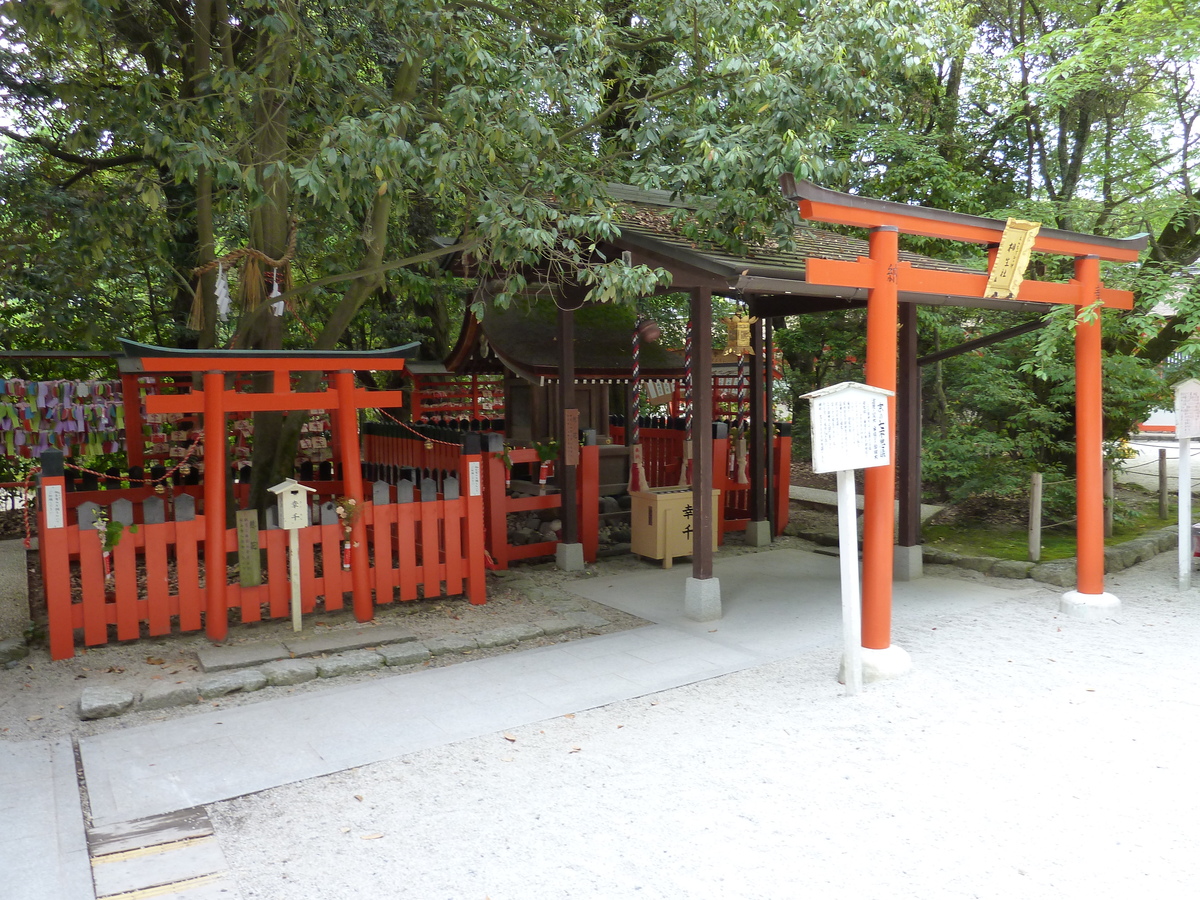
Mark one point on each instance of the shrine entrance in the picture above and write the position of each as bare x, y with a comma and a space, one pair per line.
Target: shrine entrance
888, 280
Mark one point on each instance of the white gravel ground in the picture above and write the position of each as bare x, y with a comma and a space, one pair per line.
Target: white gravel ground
1027, 756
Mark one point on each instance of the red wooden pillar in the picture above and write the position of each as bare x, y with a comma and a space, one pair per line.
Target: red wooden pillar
471, 476
783, 479
495, 499
588, 483
879, 492
135, 441
216, 622
352, 485
54, 550
1089, 435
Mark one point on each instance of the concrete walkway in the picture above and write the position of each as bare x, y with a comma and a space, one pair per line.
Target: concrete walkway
776, 603
43, 851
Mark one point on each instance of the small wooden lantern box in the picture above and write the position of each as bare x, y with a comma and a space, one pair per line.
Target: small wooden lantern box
661, 523
292, 497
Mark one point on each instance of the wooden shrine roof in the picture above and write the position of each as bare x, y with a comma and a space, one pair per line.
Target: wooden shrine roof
524, 339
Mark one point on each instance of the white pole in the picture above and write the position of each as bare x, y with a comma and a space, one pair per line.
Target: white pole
1185, 513
1035, 517
294, 574
848, 557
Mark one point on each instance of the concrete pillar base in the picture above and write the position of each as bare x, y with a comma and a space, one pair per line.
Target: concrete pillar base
1088, 606
758, 534
878, 665
569, 557
908, 563
702, 599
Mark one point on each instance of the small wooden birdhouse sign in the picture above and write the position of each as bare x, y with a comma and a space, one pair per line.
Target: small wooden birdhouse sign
738, 334
1187, 409
850, 427
293, 503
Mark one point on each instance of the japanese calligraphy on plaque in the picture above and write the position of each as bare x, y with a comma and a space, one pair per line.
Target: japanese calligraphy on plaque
850, 427
1012, 259
1187, 409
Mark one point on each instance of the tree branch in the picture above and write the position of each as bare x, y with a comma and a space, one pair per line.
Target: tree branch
90, 164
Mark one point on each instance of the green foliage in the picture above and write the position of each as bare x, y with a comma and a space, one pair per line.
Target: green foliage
496, 124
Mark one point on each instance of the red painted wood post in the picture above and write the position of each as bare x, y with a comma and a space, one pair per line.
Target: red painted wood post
783, 481
352, 484
55, 554
470, 477
1089, 435
588, 483
216, 623
495, 499
135, 440
720, 481
879, 488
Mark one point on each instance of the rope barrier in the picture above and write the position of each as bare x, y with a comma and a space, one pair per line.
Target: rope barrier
31, 494
415, 433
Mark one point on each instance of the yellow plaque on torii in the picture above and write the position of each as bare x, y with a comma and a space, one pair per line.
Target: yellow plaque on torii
1012, 258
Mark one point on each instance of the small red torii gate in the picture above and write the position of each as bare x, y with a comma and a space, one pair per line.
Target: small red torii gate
214, 400
885, 277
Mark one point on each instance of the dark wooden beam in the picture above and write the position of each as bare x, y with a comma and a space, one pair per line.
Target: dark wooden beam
758, 504
986, 341
568, 426
702, 434
908, 430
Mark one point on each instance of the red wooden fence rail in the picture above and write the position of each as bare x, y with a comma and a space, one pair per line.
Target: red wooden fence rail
159, 571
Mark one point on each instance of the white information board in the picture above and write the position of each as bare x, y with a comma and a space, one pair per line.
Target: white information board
53, 496
1187, 409
473, 473
850, 427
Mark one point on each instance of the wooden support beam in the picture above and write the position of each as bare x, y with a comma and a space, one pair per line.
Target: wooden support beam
908, 430
567, 426
702, 440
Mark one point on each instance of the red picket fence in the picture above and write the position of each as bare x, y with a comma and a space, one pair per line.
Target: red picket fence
500, 502
159, 571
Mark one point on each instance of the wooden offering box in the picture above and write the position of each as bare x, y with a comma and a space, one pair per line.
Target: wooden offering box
662, 523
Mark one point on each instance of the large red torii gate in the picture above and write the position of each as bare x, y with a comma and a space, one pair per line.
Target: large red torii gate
885, 277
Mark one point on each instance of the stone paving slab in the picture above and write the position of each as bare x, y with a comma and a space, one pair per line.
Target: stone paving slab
43, 848
237, 656
351, 639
